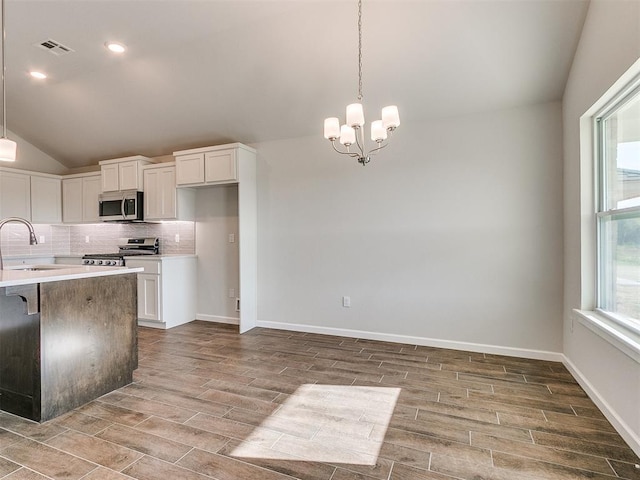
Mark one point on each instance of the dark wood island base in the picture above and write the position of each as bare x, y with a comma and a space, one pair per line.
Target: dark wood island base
65, 343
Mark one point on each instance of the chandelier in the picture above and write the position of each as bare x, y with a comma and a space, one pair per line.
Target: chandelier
351, 134
7, 147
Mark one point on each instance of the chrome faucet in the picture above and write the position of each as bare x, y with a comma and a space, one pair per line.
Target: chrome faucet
32, 234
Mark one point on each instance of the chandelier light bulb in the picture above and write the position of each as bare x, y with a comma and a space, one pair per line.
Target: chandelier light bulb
390, 117
378, 132
331, 128
347, 135
355, 115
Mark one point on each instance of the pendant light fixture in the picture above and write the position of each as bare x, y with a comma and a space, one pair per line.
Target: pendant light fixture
7, 147
351, 134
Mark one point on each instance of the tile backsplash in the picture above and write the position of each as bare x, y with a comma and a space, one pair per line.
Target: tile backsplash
96, 238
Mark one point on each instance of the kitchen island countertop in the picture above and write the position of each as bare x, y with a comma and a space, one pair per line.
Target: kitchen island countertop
21, 275
160, 256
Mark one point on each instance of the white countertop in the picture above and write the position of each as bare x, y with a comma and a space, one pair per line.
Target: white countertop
54, 273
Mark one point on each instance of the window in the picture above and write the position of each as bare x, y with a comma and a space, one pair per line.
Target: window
617, 133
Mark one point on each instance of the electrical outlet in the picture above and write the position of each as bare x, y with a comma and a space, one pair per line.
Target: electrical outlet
177, 238
232, 238
232, 293
86, 239
346, 302
41, 239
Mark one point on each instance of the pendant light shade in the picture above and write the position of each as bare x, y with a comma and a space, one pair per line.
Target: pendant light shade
7, 150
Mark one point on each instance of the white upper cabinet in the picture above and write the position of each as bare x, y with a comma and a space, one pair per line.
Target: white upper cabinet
36, 197
91, 190
190, 169
130, 175
220, 166
209, 165
162, 200
15, 195
80, 198
46, 199
123, 173
110, 178
72, 200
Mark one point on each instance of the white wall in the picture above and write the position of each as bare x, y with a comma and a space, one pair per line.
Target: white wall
29, 157
609, 45
453, 233
218, 260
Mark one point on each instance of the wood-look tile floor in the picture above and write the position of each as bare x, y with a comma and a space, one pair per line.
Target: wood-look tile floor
210, 403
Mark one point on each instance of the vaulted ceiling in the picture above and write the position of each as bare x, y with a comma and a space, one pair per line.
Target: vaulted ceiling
202, 72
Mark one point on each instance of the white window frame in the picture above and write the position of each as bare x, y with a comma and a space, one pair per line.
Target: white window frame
617, 330
603, 212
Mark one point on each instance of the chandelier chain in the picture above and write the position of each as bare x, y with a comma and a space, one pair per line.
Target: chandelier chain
359, 49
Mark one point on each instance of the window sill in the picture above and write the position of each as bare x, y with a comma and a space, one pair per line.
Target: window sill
625, 337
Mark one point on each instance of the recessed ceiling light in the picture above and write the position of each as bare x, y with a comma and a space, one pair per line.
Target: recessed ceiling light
38, 75
115, 47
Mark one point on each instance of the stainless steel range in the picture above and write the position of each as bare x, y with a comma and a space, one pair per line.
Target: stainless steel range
133, 247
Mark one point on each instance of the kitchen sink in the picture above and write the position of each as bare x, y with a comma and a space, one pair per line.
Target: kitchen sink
37, 268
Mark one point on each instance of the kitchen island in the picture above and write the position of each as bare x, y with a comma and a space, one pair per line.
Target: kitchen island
68, 335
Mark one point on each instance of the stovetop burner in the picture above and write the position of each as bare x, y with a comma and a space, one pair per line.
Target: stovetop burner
103, 259
133, 247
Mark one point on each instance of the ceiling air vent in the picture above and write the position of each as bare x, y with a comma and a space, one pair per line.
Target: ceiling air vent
54, 47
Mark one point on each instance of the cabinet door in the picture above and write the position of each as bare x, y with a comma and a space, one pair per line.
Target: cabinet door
167, 200
110, 177
46, 200
149, 297
190, 169
160, 193
128, 176
91, 189
15, 195
152, 194
220, 166
72, 200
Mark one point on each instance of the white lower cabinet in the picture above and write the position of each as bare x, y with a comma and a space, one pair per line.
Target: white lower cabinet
149, 297
166, 290
68, 259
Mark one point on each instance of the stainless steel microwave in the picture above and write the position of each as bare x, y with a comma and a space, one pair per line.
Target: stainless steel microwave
125, 206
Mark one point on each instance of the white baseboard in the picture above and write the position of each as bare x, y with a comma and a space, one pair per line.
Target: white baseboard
429, 342
620, 425
152, 324
217, 319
